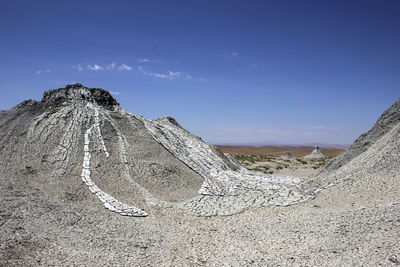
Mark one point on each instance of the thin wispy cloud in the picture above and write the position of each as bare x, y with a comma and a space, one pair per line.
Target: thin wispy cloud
147, 60
42, 71
123, 67
78, 67
171, 75
159, 75
95, 67
112, 66
234, 54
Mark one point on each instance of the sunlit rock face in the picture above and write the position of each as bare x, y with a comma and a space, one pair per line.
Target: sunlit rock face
78, 142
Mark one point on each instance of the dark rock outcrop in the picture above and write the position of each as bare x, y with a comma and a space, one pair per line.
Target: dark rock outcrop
78, 92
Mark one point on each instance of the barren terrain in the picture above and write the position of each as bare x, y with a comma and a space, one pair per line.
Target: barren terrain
85, 182
267, 159
275, 151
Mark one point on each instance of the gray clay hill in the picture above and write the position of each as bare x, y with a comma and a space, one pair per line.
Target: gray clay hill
287, 155
315, 154
85, 182
374, 152
79, 141
384, 130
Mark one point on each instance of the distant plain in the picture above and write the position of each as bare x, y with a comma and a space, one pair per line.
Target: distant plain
275, 151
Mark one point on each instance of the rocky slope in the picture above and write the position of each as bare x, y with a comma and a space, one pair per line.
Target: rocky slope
377, 151
386, 122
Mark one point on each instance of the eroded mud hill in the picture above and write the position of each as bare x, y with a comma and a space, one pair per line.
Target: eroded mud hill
374, 152
78, 137
72, 163
386, 122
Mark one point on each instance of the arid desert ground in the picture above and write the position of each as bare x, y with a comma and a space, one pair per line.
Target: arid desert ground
271, 159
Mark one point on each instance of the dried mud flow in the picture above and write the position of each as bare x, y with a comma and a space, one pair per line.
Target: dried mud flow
85, 182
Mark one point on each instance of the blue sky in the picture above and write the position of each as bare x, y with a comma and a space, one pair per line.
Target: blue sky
232, 72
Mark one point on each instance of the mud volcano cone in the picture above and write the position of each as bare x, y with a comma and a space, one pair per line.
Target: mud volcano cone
287, 155
78, 145
316, 154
